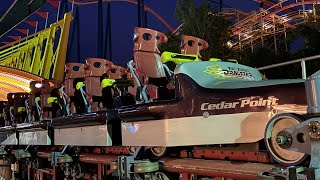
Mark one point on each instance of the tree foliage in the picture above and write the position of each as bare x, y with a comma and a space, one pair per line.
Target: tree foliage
198, 21
173, 44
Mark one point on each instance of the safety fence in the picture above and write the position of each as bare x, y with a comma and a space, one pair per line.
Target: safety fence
42, 53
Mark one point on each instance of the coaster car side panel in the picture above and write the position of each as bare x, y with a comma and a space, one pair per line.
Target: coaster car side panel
35, 137
83, 136
241, 114
9, 133
85, 129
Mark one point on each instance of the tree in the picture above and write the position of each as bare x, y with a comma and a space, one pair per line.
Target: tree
200, 22
173, 44
310, 31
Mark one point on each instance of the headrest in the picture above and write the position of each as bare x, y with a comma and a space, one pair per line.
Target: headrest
97, 66
148, 40
49, 85
74, 70
192, 45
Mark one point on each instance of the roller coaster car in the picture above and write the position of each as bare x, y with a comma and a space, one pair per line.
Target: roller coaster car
215, 103
211, 102
46, 98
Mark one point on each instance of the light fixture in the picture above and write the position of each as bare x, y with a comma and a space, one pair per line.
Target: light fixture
38, 85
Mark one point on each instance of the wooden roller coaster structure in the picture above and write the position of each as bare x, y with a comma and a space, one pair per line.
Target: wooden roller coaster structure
256, 27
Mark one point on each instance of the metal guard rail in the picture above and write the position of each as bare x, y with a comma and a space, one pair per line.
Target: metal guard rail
302, 61
40, 53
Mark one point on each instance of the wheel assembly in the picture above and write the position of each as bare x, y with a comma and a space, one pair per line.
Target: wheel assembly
158, 151
276, 139
131, 149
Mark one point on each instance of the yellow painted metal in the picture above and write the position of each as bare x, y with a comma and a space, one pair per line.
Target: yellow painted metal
63, 43
42, 53
78, 85
34, 58
107, 82
178, 58
52, 100
20, 109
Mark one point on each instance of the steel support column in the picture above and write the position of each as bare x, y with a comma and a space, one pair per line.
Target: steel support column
145, 19
75, 29
139, 13
99, 171
100, 29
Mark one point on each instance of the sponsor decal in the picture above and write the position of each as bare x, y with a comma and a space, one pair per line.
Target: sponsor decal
261, 102
218, 72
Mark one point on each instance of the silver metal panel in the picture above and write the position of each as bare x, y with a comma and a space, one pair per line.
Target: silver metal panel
10, 140
4, 135
83, 136
313, 93
216, 129
34, 138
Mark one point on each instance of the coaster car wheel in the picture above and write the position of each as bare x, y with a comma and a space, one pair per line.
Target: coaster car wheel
272, 141
158, 151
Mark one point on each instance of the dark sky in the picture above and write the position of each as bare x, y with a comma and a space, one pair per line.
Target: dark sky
124, 19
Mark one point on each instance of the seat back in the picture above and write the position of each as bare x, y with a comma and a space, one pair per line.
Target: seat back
47, 89
19, 108
19, 102
95, 68
35, 89
147, 60
146, 53
117, 72
192, 45
73, 71
50, 89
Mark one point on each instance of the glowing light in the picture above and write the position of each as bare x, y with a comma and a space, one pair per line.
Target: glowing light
13, 80
38, 85
229, 44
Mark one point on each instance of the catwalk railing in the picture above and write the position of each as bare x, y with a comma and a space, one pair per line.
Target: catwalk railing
42, 53
302, 61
